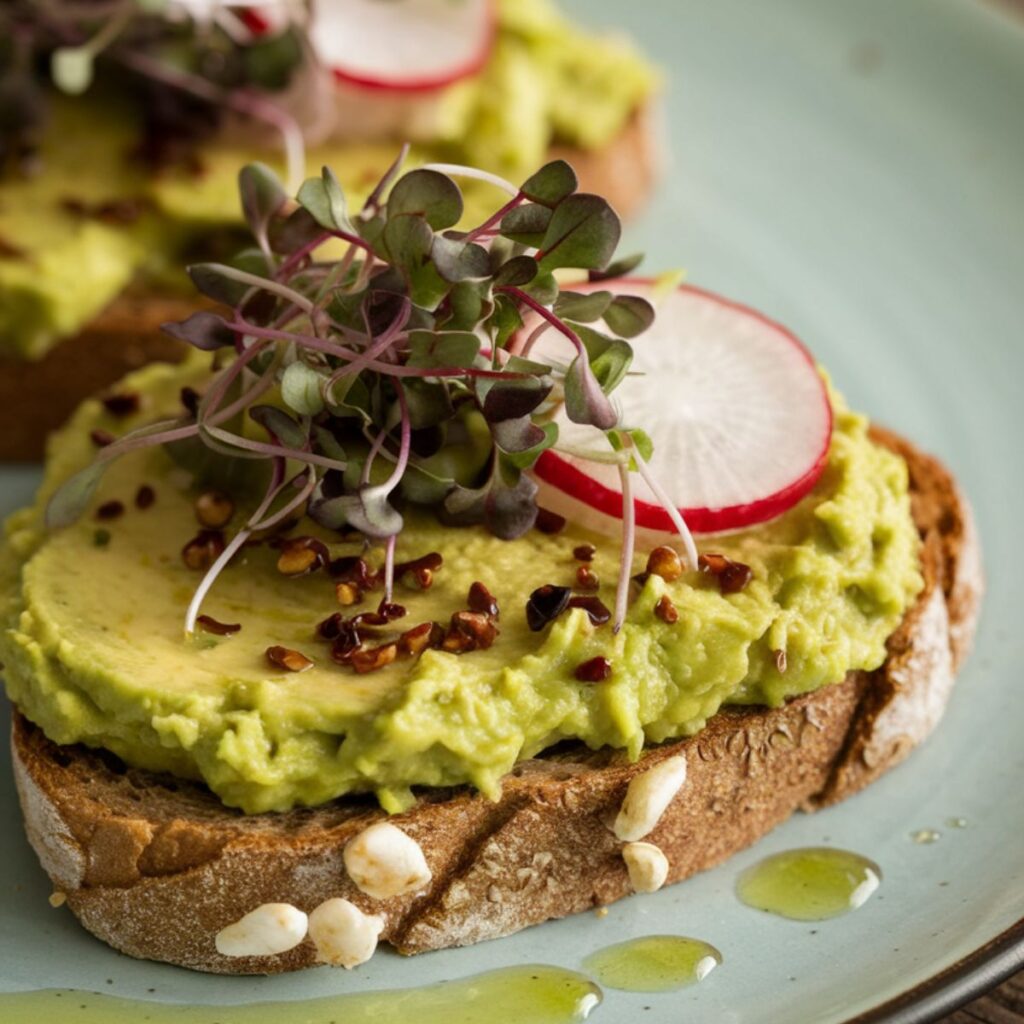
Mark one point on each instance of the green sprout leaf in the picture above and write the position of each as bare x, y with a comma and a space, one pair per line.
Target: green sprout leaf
279, 425
324, 199
204, 331
516, 272
263, 195
582, 307
72, 69
432, 195
622, 439
618, 268
527, 458
459, 261
629, 315
585, 401
409, 240
583, 232
432, 350
301, 389
526, 224
612, 365
71, 499
551, 184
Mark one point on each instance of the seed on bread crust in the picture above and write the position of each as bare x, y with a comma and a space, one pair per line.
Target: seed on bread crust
384, 861
647, 798
647, 866
270, 929
343, 935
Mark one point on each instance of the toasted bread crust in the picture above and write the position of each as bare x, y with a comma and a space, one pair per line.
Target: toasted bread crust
156, 867
36, 397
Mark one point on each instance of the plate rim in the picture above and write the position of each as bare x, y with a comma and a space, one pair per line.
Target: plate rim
954, 986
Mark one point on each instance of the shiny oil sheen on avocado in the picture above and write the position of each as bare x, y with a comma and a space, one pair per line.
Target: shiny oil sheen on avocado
94, 650
546, 82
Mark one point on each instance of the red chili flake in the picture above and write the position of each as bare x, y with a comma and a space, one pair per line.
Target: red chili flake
370, 659
666, 610
584, 552
587, 579
483, 601
781, 662
113, 509
732, 576
545, 604
470, 631
352, 569
203, 550
122, 404
101, 438
666, 563
210, 625
302, 555
549, 522
190, 400
594, 607
415, 641
596, 670
145, 496
289, 660
419, 572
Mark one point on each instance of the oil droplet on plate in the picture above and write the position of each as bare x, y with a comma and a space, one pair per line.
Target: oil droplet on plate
925, 836
809, 884
654, 963
541, 994
956, 822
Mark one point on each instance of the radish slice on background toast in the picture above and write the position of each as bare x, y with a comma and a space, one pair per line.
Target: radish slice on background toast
737, 410
405, 45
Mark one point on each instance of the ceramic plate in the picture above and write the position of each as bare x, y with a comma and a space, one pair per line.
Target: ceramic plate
856, 171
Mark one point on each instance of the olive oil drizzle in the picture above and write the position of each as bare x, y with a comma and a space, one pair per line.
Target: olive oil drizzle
653, 963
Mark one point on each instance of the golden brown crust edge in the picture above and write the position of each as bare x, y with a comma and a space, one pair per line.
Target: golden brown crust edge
37, 397
157, 871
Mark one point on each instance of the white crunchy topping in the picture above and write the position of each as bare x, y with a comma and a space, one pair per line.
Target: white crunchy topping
343, 935
647, 866
269, 929
647, 797
383, 861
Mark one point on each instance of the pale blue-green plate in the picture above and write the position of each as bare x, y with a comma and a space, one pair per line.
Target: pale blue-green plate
855, 169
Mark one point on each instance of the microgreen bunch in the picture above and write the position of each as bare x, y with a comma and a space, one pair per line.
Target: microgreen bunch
196, 58
404, 371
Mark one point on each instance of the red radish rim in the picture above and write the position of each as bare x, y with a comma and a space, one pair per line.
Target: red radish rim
556, 471
428, 83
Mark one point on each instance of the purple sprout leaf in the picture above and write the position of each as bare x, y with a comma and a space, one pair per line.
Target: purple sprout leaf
583, 233
618, 268
459, 261
551, 184
205, 331
302, 389
526, 458
629, 315
585, 402
526, 224
219, 282
510, 509
430, 194
515, 436
263, 196
512, 399
582, 307
370, 512
518, 271
279, 425
295, 232
69, 501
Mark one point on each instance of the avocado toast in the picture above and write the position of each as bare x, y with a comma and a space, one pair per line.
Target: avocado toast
106, 191
472, 629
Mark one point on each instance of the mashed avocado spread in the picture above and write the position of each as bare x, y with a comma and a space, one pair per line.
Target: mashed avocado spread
61, 264
93, 648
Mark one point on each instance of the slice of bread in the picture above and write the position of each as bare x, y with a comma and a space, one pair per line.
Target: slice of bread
156, 866
37, 397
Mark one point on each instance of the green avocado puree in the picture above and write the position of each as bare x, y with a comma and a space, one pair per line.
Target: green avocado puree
93, 646
546, 82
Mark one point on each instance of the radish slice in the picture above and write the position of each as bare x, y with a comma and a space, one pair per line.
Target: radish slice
739, 416
405, 45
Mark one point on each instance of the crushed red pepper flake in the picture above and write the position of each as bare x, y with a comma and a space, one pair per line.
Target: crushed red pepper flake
145, 497
203, 550
666, 610
370, 659
470, 631
214, 509
208, 624
549, 522
666, 563
101, 438
112, 509
732, 576
587, 579
596, 670
122, 403
481, 600
288, 659
584, 552
413, 642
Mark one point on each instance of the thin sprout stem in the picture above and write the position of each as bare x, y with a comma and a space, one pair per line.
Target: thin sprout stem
669, 506
389, 567
404, 444
265, 284
628, 545
295, 258
535, 336
461, 171
389, 336
273, 450
495, 218
297, 502
375, 449
542, 311
229, 552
